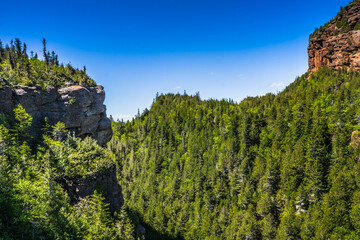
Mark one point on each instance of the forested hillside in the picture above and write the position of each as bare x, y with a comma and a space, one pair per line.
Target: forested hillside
33, 203
279, 166
282, 166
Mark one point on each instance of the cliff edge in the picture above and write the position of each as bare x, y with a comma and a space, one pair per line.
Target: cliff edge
337, 43
80, 108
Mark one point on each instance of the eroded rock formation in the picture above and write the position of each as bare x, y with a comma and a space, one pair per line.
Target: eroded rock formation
81, 109
337, 43
105, 183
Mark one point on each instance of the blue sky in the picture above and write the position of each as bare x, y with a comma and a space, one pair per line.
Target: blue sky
220, 48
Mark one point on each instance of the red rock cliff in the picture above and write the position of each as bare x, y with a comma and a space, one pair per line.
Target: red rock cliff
337, 43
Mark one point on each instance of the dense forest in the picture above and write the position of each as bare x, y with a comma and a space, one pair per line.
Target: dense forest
279, 166
33, 204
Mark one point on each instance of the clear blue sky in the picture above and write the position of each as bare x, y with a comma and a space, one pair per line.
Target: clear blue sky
136, 48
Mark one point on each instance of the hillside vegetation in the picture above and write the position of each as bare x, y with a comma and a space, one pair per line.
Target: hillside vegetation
282, 166
33, 204
18, 68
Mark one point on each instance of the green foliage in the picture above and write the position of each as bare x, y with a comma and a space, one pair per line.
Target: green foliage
342, 24
59, 132
95, 221
23, 122
76, 157
319, 31
282, 166
357, 26
17, 68
33, 204
72, 101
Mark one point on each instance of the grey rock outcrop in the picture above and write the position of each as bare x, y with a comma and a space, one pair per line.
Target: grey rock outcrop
140, 230
104, 182
80, 108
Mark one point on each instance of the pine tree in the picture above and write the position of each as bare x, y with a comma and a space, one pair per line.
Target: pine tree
23, 122
45, 55
318, 157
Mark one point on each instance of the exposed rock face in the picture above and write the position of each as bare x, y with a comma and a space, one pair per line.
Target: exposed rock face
337, 43
140, 230
80, 108
105, 182
355, 140
335, 51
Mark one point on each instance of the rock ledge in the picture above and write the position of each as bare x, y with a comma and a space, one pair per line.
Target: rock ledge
80, 108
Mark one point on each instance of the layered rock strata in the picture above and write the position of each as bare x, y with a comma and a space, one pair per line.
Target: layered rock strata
337, 43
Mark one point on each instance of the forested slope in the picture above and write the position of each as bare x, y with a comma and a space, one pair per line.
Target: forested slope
282, 166
34, 201
33, 204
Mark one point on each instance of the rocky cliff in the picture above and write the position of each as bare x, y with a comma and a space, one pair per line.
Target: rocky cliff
105, 183
337, 43
80, 108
